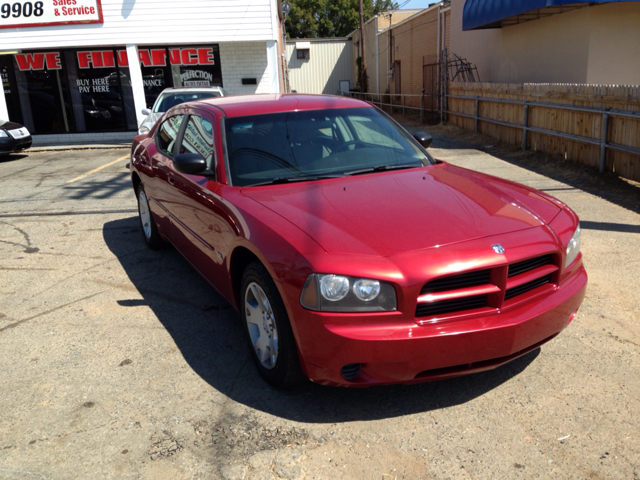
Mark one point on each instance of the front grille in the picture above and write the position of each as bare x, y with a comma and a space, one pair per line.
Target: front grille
448, 306
465, 280
531, 264
484, 288
538, 282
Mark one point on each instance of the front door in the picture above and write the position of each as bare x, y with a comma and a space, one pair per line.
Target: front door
202, 222
160, 186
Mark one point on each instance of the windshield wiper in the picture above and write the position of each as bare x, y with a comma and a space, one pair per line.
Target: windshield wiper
280, 180
381, 168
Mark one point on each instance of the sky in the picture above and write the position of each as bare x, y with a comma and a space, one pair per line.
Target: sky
416, 3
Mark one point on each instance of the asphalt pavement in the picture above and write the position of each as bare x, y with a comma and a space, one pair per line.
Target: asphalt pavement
121, 362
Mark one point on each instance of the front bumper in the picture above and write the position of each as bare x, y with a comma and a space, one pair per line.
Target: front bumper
401, 351
13, 145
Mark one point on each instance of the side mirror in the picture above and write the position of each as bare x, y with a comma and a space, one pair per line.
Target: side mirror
190, 163
145, 111
423, 139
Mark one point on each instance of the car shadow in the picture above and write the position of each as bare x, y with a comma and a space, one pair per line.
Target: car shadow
208, 333
11, 157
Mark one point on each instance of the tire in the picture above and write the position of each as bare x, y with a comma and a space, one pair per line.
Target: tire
266, 324
147, 223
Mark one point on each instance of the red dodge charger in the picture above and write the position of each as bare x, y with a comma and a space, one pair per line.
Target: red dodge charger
354, 257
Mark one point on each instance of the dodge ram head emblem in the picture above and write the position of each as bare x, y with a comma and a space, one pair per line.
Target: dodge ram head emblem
498, 248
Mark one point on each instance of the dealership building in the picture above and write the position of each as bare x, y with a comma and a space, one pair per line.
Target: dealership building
84, 69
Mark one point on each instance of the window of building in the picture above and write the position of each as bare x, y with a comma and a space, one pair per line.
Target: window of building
43, 93
90, 90
302, 53
10, 89
101, 91
183, 66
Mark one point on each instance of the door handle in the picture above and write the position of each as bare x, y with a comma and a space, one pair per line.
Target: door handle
172, 180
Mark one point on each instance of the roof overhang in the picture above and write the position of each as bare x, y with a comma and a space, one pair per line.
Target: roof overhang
478, 14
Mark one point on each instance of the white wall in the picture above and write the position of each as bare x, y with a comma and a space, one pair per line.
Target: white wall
160, 22
594, 44
329, 62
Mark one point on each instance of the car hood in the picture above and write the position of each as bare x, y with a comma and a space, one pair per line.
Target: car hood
394, 212
151, 119
7, 125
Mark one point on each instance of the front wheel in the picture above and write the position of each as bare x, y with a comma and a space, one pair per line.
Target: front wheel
148, 224
273, 347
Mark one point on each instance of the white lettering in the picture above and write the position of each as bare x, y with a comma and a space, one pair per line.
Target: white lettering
152, 83
189, 74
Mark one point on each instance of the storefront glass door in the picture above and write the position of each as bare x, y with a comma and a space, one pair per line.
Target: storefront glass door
43, 92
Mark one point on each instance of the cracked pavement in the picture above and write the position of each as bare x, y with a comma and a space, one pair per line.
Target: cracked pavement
121, 362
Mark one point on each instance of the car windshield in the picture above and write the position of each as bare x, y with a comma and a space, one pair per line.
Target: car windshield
172, 99
298, 146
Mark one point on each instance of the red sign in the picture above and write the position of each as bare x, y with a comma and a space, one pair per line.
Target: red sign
39, 13
37, 61
148, 58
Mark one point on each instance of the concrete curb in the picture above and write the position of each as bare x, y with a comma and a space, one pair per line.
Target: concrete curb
55, 148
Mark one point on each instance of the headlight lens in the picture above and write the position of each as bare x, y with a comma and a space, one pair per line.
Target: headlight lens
573, 248
143, 130
366, 290
339, 293
334, 287
3, 133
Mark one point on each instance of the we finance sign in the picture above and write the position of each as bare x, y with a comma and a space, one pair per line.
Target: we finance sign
108, 58
30, 13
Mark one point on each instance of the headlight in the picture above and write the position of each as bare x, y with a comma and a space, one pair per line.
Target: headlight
573, 248
339, 293
3, 133
143, 130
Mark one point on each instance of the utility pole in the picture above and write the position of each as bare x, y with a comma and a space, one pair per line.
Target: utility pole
363, 62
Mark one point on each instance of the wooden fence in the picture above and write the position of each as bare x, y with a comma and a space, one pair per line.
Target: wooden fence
547, 108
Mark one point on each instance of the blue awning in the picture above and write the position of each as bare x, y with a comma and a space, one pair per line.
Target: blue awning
501, 13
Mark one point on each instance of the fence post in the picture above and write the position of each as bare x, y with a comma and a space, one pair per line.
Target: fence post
422, 108
526, 126
404, 102
390, 103
603, 141
477, 112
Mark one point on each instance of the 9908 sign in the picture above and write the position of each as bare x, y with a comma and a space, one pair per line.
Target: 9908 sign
34, 13
18, 9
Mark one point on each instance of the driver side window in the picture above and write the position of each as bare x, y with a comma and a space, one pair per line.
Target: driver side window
168, 134
198, 138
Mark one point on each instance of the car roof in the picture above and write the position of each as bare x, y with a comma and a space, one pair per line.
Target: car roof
190, 89
256, 104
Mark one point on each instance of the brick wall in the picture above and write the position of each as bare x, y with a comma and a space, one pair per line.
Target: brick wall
413, 40
244, 60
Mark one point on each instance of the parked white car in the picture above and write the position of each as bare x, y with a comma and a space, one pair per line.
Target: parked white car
170, 97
